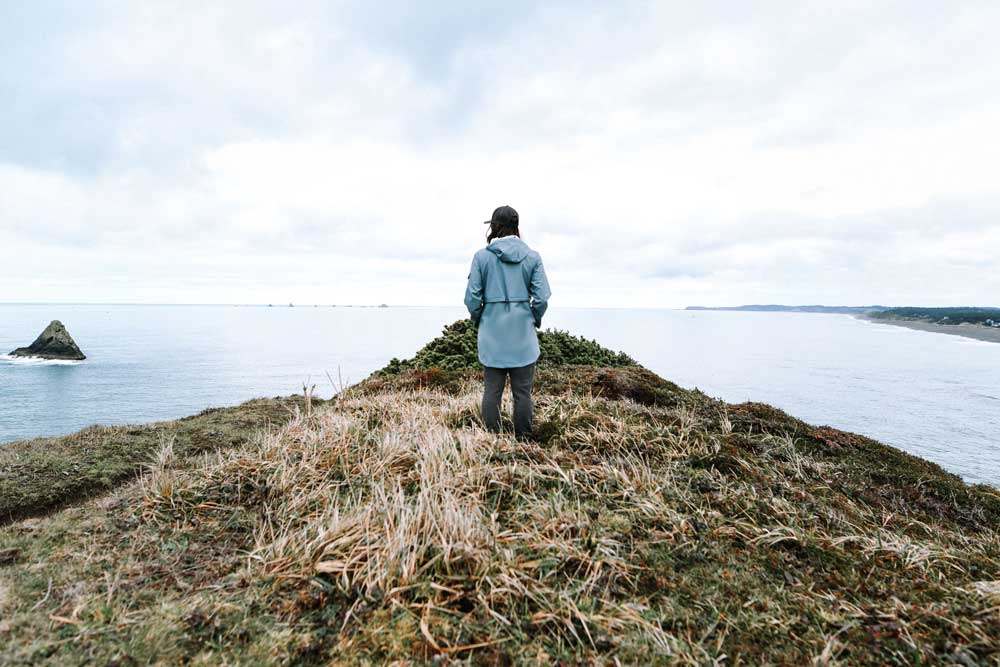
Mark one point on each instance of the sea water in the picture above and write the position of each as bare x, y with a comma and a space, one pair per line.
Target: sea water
934, 395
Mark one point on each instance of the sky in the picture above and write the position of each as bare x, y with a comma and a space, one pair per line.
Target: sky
660, 154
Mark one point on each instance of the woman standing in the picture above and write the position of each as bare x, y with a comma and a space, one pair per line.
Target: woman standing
507, 295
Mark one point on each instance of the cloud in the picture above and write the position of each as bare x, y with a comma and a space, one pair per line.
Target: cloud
659, 154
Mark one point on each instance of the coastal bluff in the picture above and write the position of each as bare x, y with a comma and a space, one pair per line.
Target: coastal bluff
53, 343
644, 524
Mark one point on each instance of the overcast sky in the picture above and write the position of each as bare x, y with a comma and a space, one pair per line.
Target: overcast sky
659, 153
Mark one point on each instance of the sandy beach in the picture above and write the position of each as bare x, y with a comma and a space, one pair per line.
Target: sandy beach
976, 331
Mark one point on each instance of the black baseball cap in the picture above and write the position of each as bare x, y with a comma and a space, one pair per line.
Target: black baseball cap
504, 215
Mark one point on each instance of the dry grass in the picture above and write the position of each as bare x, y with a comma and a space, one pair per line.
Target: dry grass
38, 476
390, 528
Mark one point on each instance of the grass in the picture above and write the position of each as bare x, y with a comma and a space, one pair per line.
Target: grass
646, 524
39, 475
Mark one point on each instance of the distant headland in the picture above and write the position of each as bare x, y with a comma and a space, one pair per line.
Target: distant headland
979, 323
843, 310
968, 322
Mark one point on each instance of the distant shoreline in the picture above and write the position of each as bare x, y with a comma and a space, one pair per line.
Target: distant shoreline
974, 331
774, 308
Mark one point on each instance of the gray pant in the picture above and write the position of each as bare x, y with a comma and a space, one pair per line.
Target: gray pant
495, 380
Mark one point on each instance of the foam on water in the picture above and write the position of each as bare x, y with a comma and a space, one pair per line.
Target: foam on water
37, 361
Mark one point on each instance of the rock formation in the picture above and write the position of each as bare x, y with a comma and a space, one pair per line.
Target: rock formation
53, 343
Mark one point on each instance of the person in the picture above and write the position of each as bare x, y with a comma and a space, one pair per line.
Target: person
507, 296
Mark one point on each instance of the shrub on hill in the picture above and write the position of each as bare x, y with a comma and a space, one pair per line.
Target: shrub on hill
456, 349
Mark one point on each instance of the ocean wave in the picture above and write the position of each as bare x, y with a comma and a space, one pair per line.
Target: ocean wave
37, 361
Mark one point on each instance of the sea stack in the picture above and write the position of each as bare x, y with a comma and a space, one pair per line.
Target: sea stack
53, 343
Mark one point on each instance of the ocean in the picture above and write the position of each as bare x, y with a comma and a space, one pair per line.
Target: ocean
933, 395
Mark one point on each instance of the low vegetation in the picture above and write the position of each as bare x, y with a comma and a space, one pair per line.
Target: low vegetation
646, 524
985, 316
456, 349
39, 475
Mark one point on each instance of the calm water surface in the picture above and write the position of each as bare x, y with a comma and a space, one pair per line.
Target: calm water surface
934, 395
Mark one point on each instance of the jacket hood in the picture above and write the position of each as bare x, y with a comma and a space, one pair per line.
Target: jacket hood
509, 249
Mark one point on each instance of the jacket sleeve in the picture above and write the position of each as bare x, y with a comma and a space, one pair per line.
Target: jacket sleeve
474, 292
539, 292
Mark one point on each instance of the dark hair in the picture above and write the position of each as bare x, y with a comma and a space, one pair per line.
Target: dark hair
501, 229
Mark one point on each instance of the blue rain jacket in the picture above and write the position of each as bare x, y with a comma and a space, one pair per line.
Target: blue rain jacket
507, 295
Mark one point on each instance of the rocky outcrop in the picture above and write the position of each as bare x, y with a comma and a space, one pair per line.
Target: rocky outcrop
53, 343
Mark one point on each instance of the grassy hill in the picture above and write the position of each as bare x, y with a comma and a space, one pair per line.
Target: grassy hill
951, 316
647, 524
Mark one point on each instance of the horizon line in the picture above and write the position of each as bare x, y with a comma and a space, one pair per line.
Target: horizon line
307, 305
